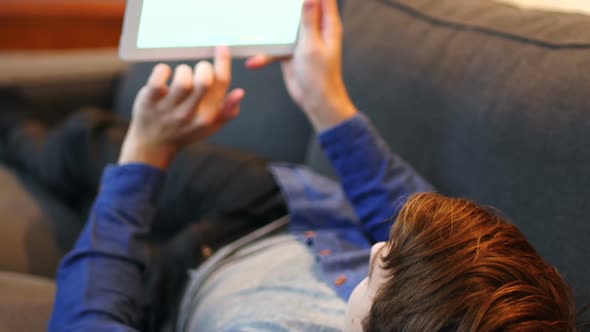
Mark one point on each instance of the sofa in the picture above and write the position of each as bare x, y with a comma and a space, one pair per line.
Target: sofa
488, 101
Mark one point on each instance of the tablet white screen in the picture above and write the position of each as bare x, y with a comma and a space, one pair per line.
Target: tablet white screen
194, 23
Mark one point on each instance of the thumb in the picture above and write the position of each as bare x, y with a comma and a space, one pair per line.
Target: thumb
310, 29
229, 111
231, 105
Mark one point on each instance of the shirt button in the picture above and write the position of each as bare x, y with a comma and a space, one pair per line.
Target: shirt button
206, 251
309, 238
341, 281
326, 252
309, 234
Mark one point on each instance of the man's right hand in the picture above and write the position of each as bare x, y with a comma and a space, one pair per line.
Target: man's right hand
313, 74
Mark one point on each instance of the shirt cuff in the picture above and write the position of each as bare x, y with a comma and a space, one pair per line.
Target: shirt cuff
132, 180
340, 138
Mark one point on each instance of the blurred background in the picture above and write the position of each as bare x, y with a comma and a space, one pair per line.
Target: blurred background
568, 5
48, 46
60, 24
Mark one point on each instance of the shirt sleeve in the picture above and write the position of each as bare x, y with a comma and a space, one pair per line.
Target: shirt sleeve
376, 181
99, 283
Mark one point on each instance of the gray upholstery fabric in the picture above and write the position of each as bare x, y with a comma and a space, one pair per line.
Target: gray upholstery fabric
28, 219
488, 102
270, 125
26, 302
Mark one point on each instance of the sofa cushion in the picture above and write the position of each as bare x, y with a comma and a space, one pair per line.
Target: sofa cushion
30, 218
26, 302
487, 101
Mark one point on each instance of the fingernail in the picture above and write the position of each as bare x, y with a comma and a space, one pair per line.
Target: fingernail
253, 63
222, 50
309, 5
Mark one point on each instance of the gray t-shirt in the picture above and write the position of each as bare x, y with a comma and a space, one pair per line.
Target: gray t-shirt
272, 284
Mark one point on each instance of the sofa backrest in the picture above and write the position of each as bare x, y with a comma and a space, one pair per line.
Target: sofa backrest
489, 102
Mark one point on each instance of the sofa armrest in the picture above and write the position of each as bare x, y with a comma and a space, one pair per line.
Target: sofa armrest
61, 81
26, 302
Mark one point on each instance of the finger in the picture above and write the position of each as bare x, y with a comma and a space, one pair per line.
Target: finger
210, 115
310, 30
156, 84
181, 88
202, 81
331, 22
231, 106
204, 74
211, 104
223, 67
261, 60
230, 110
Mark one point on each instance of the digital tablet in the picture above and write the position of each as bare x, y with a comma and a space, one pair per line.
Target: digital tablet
189, 29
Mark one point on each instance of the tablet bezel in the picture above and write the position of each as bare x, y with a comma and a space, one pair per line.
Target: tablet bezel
129, 51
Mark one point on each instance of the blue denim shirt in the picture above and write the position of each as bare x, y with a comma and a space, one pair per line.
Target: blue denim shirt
100, 280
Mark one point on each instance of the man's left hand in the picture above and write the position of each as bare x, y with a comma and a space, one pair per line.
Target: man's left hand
168, 118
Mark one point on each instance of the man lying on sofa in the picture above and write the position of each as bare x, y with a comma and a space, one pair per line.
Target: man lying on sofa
446, 264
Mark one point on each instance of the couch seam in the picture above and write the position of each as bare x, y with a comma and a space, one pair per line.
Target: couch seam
480, 29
